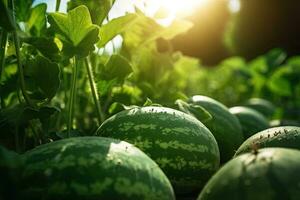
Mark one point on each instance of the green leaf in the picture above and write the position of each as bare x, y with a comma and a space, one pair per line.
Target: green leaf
37, 20
75, 30
279, 82
115, 27
44, 74
22, 9
6, 20
46, 46
195, 110
147, 30
117, 68
98, 8
104, 86
275, 58
20, 114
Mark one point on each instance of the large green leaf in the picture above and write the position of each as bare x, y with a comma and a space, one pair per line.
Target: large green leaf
113, 73
37, 20
147, 30
98, 8
44, 74
75, 30
45, 45
115, 27
117, 68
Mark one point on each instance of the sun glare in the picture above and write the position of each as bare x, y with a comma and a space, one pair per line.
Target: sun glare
177, 7
172, 7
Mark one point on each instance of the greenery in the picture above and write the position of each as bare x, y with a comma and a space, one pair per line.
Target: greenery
59, 78
60, 81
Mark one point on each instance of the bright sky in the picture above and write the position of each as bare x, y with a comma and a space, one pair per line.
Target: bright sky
172, 8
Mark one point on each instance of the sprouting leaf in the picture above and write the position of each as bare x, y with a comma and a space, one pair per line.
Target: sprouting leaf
195, 110
117, 68
75, 30
114, 27
37, 20
98, 8
45, 75
6, 21
150, 103
118, 107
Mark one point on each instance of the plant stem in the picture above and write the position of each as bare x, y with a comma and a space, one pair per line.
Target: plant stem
57, 5
19, 62
72, 95
3, 43
94, 91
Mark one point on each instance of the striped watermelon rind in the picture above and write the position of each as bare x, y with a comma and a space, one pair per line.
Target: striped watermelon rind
263, 106
224, 126
92, 168
271, 173
180, 144
284, 136
251, 120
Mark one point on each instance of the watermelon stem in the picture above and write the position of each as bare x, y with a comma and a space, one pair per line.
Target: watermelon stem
94, 91
19, 61
72, 94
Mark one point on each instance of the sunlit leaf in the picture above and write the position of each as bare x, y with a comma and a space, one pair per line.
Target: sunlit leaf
37, 20
114, 27
75, 30
98, 8
147, 30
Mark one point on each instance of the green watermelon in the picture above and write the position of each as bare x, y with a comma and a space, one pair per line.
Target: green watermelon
277, 123
251, 120
224, 126
10, 169
285, 136
263, 106
269, 174
180, 144
92, 168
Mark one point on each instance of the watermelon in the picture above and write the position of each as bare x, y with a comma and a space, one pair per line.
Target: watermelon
10, 169
92, 168
224, 126
180, 144
269, 174
251, 120
263, 106
285, 136
277, 123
